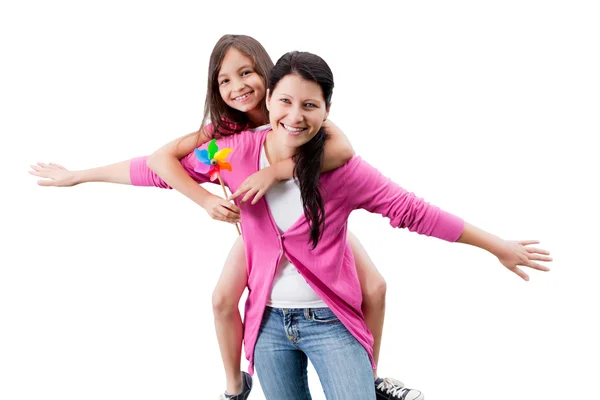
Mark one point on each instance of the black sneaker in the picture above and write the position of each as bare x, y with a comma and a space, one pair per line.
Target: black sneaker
391, 389
246, 388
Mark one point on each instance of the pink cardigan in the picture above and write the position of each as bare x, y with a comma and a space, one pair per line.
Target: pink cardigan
329, 269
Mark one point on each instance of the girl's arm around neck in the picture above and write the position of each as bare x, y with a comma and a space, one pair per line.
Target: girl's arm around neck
338, 151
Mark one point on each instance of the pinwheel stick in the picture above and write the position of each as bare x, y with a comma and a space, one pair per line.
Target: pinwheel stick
225, 192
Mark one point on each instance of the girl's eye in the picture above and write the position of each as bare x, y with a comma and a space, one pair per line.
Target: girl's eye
246, 73
224, 81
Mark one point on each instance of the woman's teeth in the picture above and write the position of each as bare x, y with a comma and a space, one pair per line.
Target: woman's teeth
291, 129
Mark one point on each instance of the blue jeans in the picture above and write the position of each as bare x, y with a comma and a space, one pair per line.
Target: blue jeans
289, 337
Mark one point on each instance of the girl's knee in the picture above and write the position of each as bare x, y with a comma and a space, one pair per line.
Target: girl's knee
223, 305
376, 290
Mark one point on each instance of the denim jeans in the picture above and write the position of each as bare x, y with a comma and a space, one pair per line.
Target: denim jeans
289, 337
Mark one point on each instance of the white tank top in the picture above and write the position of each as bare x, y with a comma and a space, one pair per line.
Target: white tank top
289, 289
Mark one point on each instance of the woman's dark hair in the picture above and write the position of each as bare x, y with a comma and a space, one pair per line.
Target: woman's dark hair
309, 158
225, 120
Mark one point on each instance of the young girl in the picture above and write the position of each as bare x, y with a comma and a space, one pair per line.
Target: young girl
237, 76
303, 222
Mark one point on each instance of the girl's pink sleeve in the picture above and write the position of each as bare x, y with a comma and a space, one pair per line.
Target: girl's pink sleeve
375, 193
141, 175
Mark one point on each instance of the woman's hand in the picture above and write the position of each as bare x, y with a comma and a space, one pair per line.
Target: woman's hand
55, 174
256, 185
519, 253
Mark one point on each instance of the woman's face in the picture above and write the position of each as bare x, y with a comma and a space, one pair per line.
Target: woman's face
296, 110
240, 86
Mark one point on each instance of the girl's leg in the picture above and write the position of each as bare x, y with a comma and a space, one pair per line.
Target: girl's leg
373, 307
281, 366
228, 321
341, 362
373, 292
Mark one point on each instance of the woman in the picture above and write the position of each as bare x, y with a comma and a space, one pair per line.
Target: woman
235, 103
310, 235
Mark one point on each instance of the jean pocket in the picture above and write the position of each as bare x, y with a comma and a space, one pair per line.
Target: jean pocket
265, 317
324, 316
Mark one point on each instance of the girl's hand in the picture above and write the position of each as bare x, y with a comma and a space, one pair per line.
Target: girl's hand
518, 253
220, 209
256, 185
56, 175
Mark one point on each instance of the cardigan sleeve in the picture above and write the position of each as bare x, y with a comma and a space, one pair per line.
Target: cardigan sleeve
141, 175
375, 193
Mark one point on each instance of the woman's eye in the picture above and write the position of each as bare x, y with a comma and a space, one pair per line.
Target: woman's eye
286, 101
310, 105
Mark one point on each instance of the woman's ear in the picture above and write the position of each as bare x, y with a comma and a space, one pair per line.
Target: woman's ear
268, 99
327, 112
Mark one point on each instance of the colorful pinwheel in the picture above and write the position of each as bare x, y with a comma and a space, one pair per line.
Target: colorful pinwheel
212, 161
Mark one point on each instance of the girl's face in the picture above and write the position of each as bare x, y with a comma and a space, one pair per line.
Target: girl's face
240, 86
296, 110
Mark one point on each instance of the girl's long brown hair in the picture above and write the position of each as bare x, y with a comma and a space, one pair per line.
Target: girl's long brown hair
225, 120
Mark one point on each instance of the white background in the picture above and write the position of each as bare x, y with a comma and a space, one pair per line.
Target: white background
489, 110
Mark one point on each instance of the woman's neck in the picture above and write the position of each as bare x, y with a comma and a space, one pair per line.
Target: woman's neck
277, 151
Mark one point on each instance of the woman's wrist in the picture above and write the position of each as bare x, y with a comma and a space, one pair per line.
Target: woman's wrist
484, 240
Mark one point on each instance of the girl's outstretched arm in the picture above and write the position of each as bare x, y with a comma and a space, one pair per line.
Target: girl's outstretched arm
57, 175
338, 151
